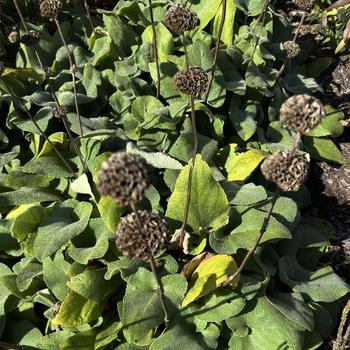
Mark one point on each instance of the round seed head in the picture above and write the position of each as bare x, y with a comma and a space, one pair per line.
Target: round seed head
287, 171
301, 113
13, 37
180, 19
291, 49
137, 242
60, 111
124, 177
192, 81
47, 72
305, 5
50, 8
31, 38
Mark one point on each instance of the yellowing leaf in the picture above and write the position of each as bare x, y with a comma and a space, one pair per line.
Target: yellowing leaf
209, 275
240, 166
56, 138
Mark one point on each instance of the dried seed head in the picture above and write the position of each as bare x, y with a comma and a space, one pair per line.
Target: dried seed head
180, 19
2, 69
31, 38
192, 81
125, 177
50, 8
286, 170
291, 49
340, 84
13, 37
60, 111
47, 72
305, 5
137, 242
301, 113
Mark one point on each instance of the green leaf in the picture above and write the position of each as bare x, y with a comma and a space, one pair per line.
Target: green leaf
142, 311
28, 196
324, 149
208, 206
245, 234
218, 306
205, 10
82, 185
66, 221
165, 42
91, 285
93, 245
110, 212
240, 166
209, 275
263, 326
247, 194
243, 120
76, 310
227, 31
322, 285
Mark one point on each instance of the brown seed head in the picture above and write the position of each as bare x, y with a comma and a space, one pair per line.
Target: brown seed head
31, 38
291, 49
305, 5
50, 8
287, 171
301, 113
192, 81
2, 69
180, 19
137, 242
60, 111
124, 177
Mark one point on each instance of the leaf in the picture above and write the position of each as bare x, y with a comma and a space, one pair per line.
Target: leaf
243, 120
248, 194
91, 285
82, 185
322, 285
324, 149
208, 206
240, 166
263, 326
243, 236
156, 159
165, 42
28, 196
205, 10
66, 221
142, 311
218, 306
110, 212
227, 31
209, 275
93, 245
76, 310
293, 307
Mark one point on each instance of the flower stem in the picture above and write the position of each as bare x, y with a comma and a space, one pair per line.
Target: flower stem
87, 9
264, 224
152, 263
155, 46
217, 48
72, 71
193, 158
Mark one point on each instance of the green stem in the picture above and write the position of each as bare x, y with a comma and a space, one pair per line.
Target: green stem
217, 48
155, 46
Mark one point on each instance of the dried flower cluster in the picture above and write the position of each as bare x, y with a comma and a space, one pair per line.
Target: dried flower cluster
291, 49
286, 170
138, 240
180, 19
13, 37
301, 113
60, 111
50, 8
305, 5
192, 81
31, 38
124, 177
